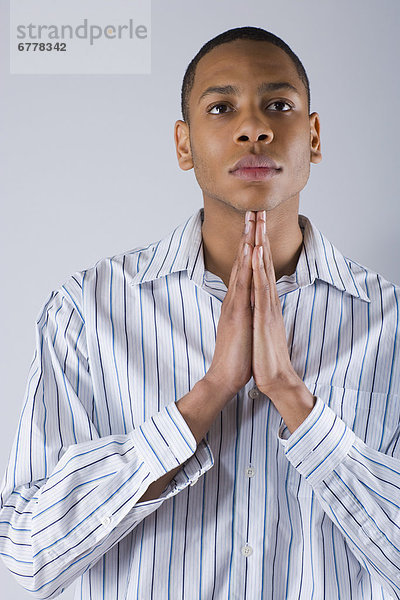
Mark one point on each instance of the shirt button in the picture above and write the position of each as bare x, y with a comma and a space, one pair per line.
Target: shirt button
105, 521
254, 393
250, 471
247, 550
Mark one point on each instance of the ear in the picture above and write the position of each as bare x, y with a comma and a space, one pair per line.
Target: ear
182, 145
315, 142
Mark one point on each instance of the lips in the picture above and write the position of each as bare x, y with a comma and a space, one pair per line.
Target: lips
255, 167
255, 161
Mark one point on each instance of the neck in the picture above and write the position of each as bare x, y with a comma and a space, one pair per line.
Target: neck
222, 230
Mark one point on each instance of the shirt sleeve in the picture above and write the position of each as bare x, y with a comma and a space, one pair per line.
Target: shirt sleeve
68, 494
357, 486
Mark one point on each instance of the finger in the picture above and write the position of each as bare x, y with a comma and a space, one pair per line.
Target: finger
245, 273
260, 227
240, 259
262, 294
269, 264
246, 237
263, 239
234, 270
249, 227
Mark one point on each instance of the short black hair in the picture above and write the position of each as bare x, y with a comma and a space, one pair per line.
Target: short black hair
238, 33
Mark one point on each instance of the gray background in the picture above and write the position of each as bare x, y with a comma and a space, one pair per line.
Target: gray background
88, 164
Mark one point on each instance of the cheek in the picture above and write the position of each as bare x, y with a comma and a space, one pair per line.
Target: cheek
209, 143
298, 151
203, 165
206, 155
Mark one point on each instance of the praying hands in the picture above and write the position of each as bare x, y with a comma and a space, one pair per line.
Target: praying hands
251, 337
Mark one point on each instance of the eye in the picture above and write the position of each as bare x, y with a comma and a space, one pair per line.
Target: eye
217, 106
280, 102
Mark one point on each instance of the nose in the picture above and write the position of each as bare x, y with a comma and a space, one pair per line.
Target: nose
254, 129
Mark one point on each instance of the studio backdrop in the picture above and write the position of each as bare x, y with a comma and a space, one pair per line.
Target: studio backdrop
88, 163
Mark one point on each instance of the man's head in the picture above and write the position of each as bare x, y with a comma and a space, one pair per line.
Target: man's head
263, 92
239, 33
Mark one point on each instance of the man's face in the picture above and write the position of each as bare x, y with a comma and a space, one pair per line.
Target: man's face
225, 127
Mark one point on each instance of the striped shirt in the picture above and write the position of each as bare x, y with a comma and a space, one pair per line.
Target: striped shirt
254, 512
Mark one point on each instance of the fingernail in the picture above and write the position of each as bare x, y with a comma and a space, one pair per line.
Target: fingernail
246, 249
247, 227
247, 216
264, 227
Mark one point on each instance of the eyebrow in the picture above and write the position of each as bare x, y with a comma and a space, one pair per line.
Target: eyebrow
264, 87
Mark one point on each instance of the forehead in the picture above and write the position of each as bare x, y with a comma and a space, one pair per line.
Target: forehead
244, 60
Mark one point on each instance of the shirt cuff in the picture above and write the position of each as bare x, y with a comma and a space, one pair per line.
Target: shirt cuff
319, 444
189, 474
164, 441
195, 467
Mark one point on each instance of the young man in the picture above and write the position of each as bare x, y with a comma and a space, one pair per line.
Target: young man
203, 421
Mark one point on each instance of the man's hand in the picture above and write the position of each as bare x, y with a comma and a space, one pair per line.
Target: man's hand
273, 372
271, 364
231, 365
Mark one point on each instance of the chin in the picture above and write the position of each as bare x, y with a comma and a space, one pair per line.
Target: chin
257, 204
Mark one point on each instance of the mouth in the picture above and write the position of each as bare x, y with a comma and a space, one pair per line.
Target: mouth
255, 173
255, 167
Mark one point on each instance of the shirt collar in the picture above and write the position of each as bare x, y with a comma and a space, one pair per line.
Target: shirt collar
182, 250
